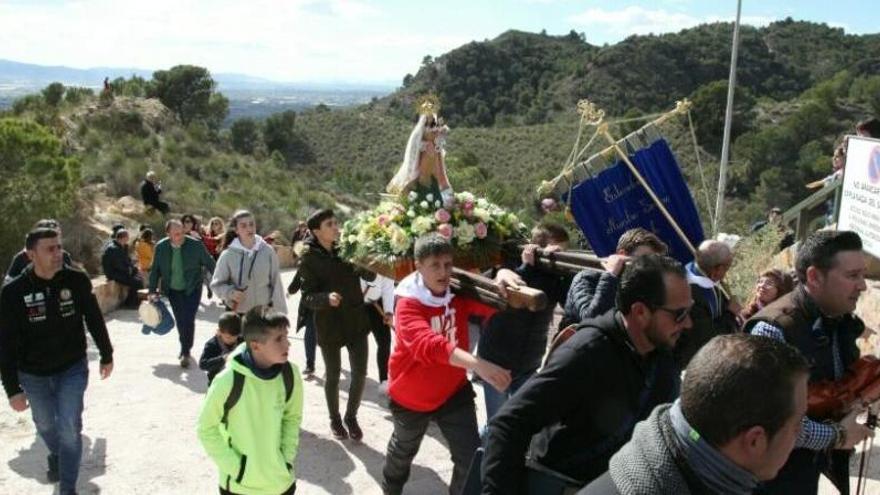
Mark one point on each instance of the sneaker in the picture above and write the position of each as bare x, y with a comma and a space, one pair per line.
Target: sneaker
383, 388
185, 361
309, 371
354, 429
52, 472
339, 431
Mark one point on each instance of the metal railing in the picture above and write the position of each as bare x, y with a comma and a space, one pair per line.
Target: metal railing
813, 213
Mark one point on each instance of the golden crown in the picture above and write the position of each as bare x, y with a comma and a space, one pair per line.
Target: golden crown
428, 104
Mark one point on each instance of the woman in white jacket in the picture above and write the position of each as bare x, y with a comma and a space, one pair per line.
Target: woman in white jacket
247, 272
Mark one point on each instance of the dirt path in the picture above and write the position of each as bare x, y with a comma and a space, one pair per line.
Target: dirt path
139, 428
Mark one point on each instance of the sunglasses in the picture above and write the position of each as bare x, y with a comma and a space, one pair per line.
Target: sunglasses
678, 314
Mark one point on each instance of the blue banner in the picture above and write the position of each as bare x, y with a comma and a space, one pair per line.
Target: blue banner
612, 202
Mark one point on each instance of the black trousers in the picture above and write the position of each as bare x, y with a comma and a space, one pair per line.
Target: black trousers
457, 419
357, 359
382, 333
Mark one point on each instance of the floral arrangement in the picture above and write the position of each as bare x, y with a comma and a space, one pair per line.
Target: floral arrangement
385, 234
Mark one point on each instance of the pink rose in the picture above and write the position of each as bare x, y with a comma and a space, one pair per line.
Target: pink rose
442, 215
480, 230
383, 220
468, 205
445, 230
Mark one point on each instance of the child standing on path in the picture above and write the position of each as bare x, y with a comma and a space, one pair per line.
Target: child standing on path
249, 424
218, 347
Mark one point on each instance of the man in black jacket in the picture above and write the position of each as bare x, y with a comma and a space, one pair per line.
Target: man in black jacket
583, 405
151, 188
43, 360
736, 423
21, 260
118, 267
516, 339
592, 293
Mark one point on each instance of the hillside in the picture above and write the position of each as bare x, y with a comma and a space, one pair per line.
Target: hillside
529, 78
802, 87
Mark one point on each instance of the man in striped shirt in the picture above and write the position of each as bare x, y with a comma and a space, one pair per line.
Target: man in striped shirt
816, 317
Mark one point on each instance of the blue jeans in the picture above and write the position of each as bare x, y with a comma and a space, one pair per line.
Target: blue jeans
496, 399
56, 405
311, 342
185, 306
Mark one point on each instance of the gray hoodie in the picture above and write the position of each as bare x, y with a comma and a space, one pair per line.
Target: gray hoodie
254, 271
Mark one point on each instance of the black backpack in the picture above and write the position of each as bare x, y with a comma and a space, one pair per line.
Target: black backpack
238, 386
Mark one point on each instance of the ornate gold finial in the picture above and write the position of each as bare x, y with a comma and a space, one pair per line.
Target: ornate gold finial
428, 104
590, 113
682, 106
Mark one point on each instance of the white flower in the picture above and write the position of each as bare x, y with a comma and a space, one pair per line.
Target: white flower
482, 214
411, 214
413, 195
482, 203
421, 225
437, 203
399, 241
465, 233
352, 239
465, 196
430, 197
424, 205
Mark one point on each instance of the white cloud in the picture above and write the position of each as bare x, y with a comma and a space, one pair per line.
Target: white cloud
639, 20
304, 40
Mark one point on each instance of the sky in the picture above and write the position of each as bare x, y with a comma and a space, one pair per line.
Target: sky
356, 41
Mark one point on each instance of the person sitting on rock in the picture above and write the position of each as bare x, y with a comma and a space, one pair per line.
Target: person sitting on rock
118, 267
151, 188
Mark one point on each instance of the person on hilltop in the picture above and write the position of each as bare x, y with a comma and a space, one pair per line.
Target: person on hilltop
178, 263
248, 272
151, 189
44, 314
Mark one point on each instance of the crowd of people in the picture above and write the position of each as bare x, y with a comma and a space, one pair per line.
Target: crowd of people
664, 383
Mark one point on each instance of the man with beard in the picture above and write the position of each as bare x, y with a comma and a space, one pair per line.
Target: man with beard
583, 405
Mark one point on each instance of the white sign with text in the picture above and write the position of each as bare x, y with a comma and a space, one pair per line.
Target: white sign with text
860, 200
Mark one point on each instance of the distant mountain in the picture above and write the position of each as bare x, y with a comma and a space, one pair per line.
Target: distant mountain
528, 78
19, 76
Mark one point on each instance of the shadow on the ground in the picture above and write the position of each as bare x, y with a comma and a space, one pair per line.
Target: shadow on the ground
421, 479
326, 463
31, 463
192, 378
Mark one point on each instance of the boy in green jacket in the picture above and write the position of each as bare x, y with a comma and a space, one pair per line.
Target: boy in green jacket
249, 424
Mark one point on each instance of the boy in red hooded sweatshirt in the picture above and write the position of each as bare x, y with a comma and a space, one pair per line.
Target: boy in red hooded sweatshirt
428, 368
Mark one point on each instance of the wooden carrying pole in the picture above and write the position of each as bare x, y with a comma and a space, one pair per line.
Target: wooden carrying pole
519, 297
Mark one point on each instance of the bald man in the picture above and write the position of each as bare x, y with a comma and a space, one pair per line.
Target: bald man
713, 313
